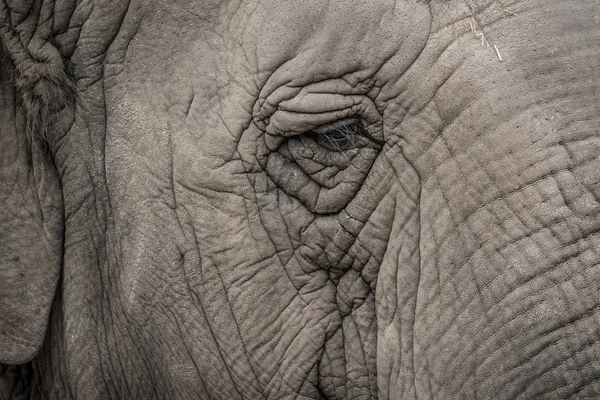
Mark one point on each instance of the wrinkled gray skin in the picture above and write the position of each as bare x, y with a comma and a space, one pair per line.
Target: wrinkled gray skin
189, 231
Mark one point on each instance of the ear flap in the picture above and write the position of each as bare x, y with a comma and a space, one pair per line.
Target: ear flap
31, 229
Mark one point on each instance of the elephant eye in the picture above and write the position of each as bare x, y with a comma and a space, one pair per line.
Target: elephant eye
324, 167
343, 137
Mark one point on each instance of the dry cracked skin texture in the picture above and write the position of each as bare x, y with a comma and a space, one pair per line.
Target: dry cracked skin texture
271, 199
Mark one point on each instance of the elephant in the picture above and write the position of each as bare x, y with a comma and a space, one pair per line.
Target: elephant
300, 199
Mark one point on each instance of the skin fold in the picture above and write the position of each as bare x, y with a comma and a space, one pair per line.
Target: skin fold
299, 200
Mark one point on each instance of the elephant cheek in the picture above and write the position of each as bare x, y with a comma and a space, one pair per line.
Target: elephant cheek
397, 286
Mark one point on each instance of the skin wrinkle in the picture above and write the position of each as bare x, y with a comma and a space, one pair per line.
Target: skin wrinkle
568, 258
496, 350
500, 249
179, 220
501, 196
238, 329
300, 295
554, 343
210, 328
549, 390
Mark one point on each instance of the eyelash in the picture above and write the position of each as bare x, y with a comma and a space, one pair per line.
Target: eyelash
342, 138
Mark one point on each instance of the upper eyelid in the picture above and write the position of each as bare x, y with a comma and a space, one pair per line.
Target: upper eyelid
334, 126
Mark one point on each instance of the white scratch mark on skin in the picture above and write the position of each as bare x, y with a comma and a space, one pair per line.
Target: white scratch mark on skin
472, 26
508, 12
498, 53
481, 35
484, 41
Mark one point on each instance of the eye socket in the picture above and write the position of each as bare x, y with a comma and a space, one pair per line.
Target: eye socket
343, 137
324, 167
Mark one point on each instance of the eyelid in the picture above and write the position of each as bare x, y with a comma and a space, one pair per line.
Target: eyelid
301, 111
334, 125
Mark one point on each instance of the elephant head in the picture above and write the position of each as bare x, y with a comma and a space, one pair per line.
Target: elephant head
267, 199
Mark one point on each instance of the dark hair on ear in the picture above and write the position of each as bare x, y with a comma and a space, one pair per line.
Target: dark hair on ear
42, 89
39, 90
43, 92
38, 75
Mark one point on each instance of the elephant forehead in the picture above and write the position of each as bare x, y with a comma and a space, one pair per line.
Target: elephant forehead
291, 42
297, 43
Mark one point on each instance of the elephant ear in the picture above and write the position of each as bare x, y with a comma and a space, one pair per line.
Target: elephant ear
31, 218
